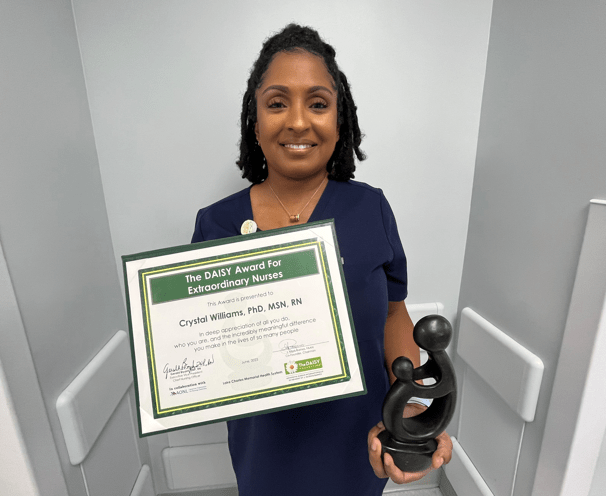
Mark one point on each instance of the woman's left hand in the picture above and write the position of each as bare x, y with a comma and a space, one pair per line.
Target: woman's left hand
385, 467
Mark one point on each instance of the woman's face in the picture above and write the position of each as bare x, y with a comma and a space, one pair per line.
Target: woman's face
297, 116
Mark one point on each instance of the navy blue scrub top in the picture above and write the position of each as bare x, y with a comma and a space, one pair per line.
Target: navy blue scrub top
322, 449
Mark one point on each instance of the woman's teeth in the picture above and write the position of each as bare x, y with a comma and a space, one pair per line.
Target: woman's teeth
298, 147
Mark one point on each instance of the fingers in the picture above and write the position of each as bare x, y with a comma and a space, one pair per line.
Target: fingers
374, 451
443, 453
384, 466
374, 432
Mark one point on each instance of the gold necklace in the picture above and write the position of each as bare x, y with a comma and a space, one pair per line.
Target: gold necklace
295, 218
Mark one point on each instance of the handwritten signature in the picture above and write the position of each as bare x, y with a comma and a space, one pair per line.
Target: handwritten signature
188, 367
288, 345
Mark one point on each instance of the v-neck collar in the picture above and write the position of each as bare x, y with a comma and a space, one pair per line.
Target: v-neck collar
318, 210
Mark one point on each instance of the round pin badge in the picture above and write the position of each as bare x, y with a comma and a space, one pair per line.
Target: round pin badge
248, 227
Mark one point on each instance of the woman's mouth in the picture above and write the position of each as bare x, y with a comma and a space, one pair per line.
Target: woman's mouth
293, 146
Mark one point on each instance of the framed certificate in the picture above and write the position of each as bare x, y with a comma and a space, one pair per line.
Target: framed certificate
240, 326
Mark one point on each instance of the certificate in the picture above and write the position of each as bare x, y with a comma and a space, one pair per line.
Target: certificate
240, 326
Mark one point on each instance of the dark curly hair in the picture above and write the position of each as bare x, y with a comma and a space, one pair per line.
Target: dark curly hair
293, 37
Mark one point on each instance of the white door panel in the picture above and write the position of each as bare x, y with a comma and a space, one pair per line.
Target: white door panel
463, 475
86, 405
498, 395
490, 433
512, 371
97, 421
113, 464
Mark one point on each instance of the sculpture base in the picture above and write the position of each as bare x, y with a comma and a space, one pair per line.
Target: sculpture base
410, 456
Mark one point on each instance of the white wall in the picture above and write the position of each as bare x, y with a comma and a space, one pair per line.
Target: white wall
540, 160
60, 298
165, 81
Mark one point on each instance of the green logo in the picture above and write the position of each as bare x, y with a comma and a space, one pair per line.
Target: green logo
296, 366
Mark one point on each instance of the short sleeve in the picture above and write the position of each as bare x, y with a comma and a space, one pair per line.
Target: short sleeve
395, 268
198, 236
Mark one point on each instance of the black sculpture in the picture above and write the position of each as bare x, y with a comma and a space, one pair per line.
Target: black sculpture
411, 441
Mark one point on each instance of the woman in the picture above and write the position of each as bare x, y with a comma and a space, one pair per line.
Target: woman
299, 136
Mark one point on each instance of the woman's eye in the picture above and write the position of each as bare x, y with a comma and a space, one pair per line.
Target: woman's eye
275, 104
319, 105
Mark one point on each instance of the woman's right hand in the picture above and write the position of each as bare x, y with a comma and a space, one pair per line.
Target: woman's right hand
384, 466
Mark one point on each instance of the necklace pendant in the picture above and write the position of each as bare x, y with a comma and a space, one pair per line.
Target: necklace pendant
295, 218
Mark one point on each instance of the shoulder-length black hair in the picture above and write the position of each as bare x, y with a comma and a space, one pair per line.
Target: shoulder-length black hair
293, 37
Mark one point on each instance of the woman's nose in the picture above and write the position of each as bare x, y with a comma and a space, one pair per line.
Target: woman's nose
298, 120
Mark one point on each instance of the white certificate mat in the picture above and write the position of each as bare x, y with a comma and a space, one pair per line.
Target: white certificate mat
240, 326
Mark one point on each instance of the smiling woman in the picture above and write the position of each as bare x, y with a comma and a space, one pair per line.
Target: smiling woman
297, 40
297, 131
297, 117
300, 134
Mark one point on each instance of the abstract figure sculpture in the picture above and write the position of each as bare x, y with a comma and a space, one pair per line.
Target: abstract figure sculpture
411, 441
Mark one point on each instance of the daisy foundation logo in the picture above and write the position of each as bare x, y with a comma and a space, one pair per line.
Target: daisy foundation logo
298, 366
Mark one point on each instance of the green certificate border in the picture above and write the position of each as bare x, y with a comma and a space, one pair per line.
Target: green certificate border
144, 274
145, 303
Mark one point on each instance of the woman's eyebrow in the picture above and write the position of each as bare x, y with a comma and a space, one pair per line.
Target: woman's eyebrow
313, 89
284, 89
